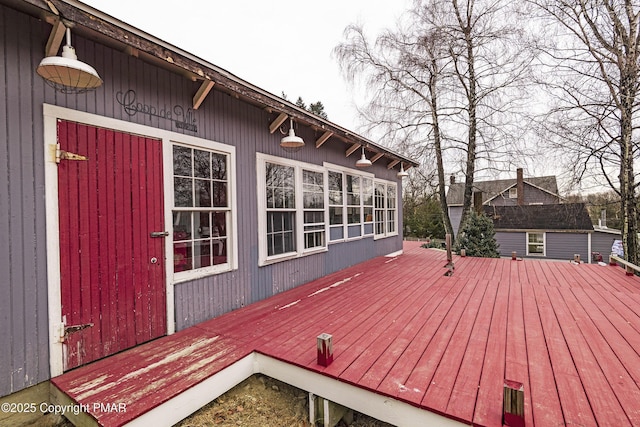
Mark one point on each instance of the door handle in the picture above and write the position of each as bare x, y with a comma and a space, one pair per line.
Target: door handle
159, 233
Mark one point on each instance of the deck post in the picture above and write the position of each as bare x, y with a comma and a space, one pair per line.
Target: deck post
325, 349
513, 404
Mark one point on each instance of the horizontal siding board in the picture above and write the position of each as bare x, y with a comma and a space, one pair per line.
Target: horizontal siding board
602, 243
565, 245
511, 242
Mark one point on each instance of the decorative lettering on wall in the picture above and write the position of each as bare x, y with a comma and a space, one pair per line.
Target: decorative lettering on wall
182, 118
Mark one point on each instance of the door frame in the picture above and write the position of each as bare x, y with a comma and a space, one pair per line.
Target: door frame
51, 115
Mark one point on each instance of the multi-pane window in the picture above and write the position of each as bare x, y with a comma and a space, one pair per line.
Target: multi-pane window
379, 196
281, 209
391, 209
535, 244
367, 204
336, 199
292, 203
201, 212
385, 208
313, 197
353, 199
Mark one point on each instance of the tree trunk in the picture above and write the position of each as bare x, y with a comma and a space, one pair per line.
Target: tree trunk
438, 149
470, 166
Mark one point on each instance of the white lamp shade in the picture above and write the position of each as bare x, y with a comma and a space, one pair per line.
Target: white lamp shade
69, 72
363, 162
292, 141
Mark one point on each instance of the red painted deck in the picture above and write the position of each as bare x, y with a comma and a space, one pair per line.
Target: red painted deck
570, 333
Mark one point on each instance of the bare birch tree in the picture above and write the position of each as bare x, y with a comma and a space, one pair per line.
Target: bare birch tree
594, 54
445, 81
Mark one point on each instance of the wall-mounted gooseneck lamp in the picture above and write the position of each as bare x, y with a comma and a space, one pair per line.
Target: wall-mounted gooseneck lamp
66, 74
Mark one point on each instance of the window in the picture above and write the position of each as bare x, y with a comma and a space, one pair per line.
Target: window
292, 214
380, 226
513, 193
353, 199
391, 209
281, 209
201, 212
536, 244
313, 196
350, 199
336, 206
385, 209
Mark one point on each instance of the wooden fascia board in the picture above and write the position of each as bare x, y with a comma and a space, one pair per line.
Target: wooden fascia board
323, 138
392, 164
202, 93
277, 122
55, 38
352, 149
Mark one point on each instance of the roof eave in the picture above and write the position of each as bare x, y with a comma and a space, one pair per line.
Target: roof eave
95, 23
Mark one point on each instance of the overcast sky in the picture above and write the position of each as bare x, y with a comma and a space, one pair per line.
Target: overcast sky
278, 45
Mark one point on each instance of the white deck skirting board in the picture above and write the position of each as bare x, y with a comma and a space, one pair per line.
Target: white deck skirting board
366, 402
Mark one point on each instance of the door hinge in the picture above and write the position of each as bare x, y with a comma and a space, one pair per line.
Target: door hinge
68, 330
66, 155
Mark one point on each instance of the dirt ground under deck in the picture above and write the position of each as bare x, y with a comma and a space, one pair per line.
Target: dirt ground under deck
258, 401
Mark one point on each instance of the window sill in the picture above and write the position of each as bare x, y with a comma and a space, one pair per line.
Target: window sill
187, 276
290, 256
384, 236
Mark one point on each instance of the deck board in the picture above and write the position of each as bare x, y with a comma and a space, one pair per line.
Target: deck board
570, 333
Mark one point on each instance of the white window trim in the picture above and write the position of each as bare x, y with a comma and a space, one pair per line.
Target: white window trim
263, 258
345, 226
513, 193
232, 245
386, 210
544, 243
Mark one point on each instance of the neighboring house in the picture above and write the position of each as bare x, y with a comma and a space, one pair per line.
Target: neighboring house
556, 231
162, 198
503, 192
530, 219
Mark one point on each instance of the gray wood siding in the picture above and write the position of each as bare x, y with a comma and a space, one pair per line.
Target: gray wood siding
510, 242
565, 245
24, 355
601, 242
23, 309
532, 195
455, 214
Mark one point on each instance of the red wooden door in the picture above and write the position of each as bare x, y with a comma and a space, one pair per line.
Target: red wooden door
112, 271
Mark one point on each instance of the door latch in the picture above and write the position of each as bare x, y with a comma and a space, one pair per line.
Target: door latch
159, 233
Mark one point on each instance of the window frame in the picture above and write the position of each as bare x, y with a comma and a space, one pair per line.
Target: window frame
299, 221
363, 223
230, 210
543, 244
386, 209
513, 193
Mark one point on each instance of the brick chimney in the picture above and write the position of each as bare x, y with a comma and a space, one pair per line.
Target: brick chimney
520, 186
477, 201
